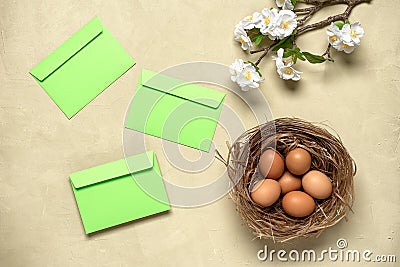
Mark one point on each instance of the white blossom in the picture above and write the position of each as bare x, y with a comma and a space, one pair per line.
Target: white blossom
252, 21
285, 4
279, 59
241, 36
245, 75
271, 22
347, 47
277, 24
285, 71
347, 38
289, 73
352, 33
285, 23
249, 78
236, 68
356, 32
268, 25
334, 36
345, 34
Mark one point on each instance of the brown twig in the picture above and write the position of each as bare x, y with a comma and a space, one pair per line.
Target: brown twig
327, 52
302, 10
339, 17
308, 15
266, 50
310, 2
257, 51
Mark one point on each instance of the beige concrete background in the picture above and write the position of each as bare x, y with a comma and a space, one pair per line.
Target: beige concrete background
358, 96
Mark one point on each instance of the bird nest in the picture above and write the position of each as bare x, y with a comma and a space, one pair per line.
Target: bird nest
328, 156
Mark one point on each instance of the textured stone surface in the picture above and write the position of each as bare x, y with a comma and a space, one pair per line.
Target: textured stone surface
358, 96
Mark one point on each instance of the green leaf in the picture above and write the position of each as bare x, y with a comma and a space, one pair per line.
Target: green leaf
259, 38
347, 21
288, 53
284, 43
294, 2
314, 58
295, 53
255, 66
301, 57
339, 24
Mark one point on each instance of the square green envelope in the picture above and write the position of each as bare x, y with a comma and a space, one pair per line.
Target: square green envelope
175, 110
83, 67
119, 191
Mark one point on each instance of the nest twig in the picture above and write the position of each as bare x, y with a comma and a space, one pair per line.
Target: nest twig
328, 156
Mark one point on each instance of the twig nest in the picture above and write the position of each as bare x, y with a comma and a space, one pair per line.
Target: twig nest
313, 158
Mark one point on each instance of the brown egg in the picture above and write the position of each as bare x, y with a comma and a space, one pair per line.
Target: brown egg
298, 204
317, 184
298, 161
289, 182
266, 192
271, 164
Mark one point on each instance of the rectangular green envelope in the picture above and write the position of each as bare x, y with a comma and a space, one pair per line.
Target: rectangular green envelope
175, 110
83, 67
108, 195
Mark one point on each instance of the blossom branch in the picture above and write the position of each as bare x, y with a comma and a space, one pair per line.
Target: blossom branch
283, 27
309, 11
342, 17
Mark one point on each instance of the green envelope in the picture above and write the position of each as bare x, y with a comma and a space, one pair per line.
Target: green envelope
83, 67
175, 110
108, 195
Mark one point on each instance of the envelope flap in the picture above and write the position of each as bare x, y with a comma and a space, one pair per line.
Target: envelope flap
182, 89
113, 170
67, 50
